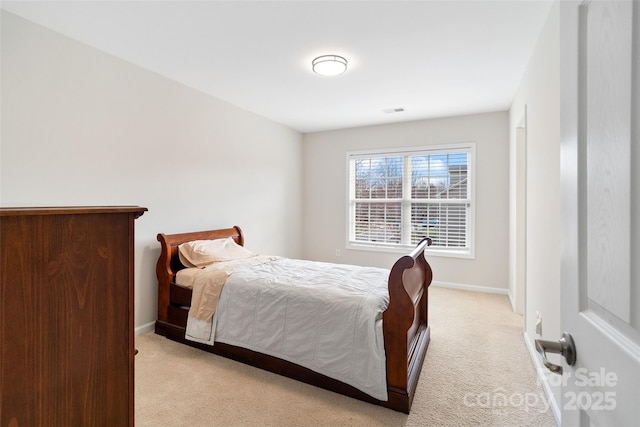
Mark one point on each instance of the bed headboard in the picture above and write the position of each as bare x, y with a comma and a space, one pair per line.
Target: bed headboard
169, 263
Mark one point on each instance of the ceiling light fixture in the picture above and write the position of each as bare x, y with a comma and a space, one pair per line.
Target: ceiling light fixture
329, 65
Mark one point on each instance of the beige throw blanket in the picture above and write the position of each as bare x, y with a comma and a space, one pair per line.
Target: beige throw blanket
206, 284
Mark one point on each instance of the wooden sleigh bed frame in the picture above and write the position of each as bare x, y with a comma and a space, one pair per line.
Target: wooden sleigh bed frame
405, 327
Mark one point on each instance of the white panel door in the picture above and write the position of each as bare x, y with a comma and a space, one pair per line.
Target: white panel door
600, 96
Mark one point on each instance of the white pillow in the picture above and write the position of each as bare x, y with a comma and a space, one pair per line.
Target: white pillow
200, 253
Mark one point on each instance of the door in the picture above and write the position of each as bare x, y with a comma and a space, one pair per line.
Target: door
600, 164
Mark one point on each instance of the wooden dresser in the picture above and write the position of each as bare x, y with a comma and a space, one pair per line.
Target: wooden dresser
66, 316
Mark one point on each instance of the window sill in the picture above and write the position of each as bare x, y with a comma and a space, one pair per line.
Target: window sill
403, 249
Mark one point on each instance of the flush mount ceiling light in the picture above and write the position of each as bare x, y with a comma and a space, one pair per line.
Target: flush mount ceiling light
329, 65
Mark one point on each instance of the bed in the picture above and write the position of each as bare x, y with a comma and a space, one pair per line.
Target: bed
404, 326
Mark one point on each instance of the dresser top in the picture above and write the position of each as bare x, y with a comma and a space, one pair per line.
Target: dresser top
70, 210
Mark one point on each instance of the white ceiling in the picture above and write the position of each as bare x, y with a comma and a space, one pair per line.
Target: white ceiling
432, 58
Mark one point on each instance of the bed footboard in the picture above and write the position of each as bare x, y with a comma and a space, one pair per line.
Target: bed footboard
406, 331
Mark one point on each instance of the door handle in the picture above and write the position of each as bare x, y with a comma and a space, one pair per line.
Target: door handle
564, 346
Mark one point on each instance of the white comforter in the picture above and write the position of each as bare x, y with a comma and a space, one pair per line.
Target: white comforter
325, 317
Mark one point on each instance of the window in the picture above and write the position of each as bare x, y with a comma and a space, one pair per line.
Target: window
396, 198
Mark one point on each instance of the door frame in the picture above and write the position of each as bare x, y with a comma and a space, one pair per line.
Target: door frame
520, 262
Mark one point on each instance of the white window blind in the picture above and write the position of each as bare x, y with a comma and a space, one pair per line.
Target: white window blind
396, 198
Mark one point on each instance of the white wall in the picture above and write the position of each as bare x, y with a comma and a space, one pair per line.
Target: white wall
325, 193
540, 92
80, 127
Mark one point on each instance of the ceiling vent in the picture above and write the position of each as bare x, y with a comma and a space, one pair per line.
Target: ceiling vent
393, 110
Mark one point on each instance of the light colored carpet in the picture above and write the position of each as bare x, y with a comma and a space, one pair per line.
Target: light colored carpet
477, 372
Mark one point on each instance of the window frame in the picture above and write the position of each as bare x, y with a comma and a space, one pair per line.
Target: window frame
468, 147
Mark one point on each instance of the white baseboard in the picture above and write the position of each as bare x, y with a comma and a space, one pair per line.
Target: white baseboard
145, 328
540, 368
512, 300
475, 288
